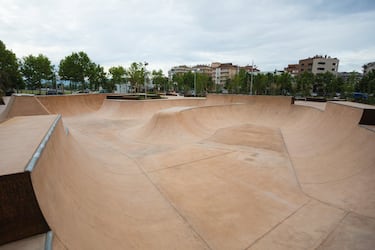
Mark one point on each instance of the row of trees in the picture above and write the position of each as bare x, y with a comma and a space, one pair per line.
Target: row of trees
34, 72
10, 76
184, 83
326, 84
136, 75
305, 84
82, 73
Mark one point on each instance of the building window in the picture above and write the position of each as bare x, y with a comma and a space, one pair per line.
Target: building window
333, 69
334, 64
321, 63
320, 68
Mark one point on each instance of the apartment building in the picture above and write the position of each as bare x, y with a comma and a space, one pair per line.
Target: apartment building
178, 70
250, 68
220, 72
368, 67
292, 69
345, 76
203, 69
318, 64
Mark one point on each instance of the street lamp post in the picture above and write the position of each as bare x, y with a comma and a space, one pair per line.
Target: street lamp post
145, 80
195, 82
251, 78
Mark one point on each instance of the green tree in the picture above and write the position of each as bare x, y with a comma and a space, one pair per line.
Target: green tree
233, 86
242, 82
35, 69
204, 84
326, 84
351, 82
340, 85
76, 68
210, 85
97, 77
188, 81
271, 84
136, 74
10, 77
239, 84
185, 82
117, 76
259, 84
229, 85
305, 83
367, 83
284, 84
159, 80
178, 79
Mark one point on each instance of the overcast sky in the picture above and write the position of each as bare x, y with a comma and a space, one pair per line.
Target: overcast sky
165, 33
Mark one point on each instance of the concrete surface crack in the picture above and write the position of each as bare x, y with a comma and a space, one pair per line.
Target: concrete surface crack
277, 224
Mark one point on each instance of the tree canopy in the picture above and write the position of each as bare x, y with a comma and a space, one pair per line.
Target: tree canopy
10, 76
159, 80
117, 76
97, 77
367, 83
185, 83
76, 68
136, 75
35, 69
239, 84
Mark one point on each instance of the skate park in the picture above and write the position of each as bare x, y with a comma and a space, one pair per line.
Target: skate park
221, 172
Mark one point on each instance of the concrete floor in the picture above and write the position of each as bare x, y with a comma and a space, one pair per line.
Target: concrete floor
226, 172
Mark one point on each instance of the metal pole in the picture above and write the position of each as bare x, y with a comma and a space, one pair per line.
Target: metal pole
251, 78
146, 63
195, 83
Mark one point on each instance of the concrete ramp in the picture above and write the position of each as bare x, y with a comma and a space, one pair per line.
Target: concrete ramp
23, 105
20, 215
188, 124
72, 105
195, 123
129, 109
269, 100
167, 124
334, 158
89, 207
66, 105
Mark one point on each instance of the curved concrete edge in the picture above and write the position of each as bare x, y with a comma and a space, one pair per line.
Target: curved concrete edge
34, 159
48, 241
71, 105
5, 112
368, 111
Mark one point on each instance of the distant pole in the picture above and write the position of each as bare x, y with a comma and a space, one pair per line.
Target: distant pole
251, 78
146, 63
195, 83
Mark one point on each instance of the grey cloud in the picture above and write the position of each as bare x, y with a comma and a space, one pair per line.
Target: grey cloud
166, 32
